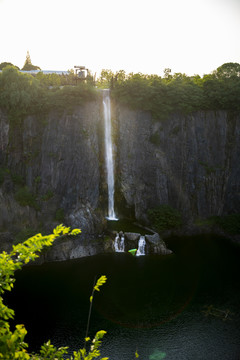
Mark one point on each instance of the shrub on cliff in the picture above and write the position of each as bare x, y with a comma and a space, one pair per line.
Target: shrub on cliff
26, 198
229, 223
164, 217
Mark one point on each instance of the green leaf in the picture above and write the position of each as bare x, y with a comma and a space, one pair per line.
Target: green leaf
100, 282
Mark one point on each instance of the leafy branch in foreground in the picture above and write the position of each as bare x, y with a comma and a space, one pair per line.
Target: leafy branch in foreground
12, 345
96, 286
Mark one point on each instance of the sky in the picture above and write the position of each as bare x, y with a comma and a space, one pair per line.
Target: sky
147, 36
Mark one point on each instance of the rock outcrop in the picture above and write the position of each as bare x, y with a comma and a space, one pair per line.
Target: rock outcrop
155, 245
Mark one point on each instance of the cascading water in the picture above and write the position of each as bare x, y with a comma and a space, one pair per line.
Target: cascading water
141, 246
119, 244
109, 154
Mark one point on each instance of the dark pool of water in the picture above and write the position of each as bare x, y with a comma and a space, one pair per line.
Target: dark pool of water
153, 304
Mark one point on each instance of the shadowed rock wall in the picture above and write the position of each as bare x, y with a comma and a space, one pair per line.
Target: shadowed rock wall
189, 162
59, 159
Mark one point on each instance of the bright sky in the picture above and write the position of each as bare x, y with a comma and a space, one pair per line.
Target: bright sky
191, 36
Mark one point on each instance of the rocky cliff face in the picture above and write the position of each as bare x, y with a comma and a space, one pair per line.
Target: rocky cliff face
58, 159
189, 162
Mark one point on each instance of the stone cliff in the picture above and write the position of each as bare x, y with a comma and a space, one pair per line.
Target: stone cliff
57, 159
189, 162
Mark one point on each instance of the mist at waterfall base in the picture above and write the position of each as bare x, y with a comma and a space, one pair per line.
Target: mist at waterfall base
150, 303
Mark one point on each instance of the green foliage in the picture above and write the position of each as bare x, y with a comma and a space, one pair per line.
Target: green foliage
50, 352
17, 179
19, 93
99, 283
69, 96
228, 70
49, 79
47, 196
24, 234
37, 179
106, 79
229, 223
23, 94
59, 216
164, 217
26, 198
178, 92
5, 64
12, 345
136, 355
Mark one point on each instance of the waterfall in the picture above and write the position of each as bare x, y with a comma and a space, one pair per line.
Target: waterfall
109, 154
119, 244
141, 246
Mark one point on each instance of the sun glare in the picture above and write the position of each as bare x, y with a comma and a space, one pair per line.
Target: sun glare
137, 36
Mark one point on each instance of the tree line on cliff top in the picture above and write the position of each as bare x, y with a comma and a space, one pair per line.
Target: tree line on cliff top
162, 96
23, 94
179, 93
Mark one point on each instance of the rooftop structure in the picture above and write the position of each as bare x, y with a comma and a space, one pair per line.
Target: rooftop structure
81, 72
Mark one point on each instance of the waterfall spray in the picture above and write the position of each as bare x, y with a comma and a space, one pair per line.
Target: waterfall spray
109, 154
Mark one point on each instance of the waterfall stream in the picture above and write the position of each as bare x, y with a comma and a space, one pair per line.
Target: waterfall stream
141, 246
109, 154
119, 243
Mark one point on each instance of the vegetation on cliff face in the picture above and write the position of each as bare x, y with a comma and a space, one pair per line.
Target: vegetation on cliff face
178, 92
164, 217
230, 224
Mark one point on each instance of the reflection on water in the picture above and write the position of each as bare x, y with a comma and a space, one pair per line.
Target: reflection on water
150, 303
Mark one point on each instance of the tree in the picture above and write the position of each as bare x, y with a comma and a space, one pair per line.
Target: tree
106, 78
4, 64
28, 64
19, 93
167, 74
164, 217
228, 70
